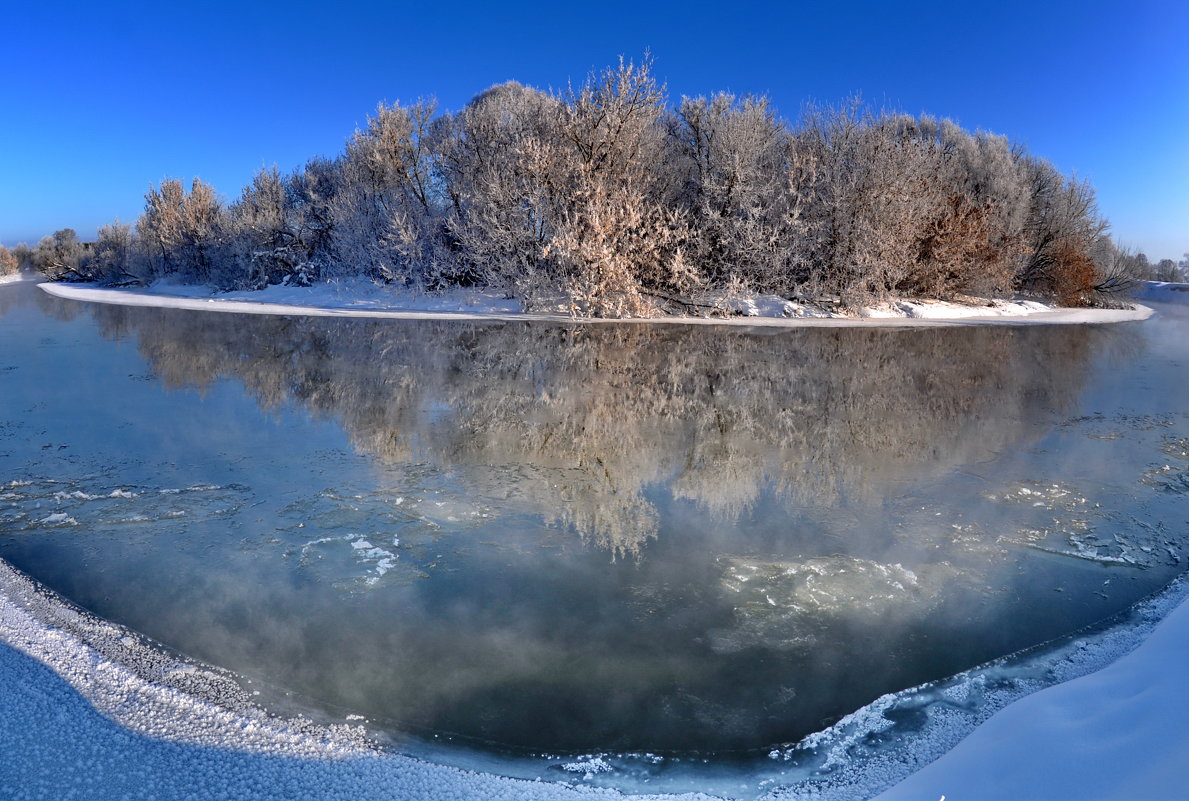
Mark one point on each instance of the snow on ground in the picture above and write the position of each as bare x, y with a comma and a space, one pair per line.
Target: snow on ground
1119, 733
78, 722
364, 299
942, 310
12, 279
89, 710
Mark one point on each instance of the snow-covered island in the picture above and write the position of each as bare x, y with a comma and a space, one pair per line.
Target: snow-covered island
367, 299
605, 201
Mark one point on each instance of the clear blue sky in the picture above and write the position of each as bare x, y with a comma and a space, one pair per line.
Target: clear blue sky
100, 99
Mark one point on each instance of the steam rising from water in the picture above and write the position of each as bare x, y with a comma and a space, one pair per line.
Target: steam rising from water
498, 530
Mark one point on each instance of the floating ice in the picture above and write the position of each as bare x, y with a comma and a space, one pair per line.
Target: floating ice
74, 495
58, 519
588, 765
781, 603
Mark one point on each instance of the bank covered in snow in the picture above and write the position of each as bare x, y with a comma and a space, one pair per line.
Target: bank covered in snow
90, 710
1118, 733
365, 299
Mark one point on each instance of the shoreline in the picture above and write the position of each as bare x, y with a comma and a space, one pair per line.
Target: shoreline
128, 701
123, 297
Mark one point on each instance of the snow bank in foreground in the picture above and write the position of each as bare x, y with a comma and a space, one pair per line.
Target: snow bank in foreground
1119, 733
90, 710
78, 719
1038, 751
362, 299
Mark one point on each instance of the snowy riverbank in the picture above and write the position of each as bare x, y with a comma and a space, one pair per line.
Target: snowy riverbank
1115, 734
90, 710
363, 299
79, 719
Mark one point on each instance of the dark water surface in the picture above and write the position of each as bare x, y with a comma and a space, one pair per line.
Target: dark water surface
570, 538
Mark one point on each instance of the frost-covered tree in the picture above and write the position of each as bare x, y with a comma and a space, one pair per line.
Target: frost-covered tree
386, 210
261, 243
180, 231
870, 186
734, 158
1118, 269
112, 256
1063, 227
202, 219
1143, 267
24, 256
59, 256
1167, 270
310, 195
616, 242
500, 187
972, 241
8, 262
160, 227
566, 193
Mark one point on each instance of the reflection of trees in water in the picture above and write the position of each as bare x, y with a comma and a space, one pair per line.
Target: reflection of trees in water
589, 417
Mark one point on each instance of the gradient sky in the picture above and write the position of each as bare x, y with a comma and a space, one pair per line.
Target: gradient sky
99, 100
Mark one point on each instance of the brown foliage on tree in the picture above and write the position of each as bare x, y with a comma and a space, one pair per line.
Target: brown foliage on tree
956, 254
1072, 276
8, 262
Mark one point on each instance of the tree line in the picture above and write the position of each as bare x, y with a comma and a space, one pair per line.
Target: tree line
607, 199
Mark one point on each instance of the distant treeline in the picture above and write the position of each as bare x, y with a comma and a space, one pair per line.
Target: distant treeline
608, 199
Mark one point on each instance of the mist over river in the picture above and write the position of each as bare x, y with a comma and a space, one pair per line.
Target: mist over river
536, 541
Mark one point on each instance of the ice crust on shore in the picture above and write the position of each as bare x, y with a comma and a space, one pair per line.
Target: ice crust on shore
364, 299
1113, 734
179, 727
90, 710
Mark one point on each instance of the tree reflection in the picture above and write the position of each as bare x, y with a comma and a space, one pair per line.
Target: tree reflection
785, 486
585, 425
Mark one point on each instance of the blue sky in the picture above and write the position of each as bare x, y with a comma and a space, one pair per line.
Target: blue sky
100, 100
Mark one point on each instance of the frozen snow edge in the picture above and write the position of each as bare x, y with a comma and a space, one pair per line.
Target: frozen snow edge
128, 680
151, 740
486, 307
991, 732
1113, 733
185, 723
